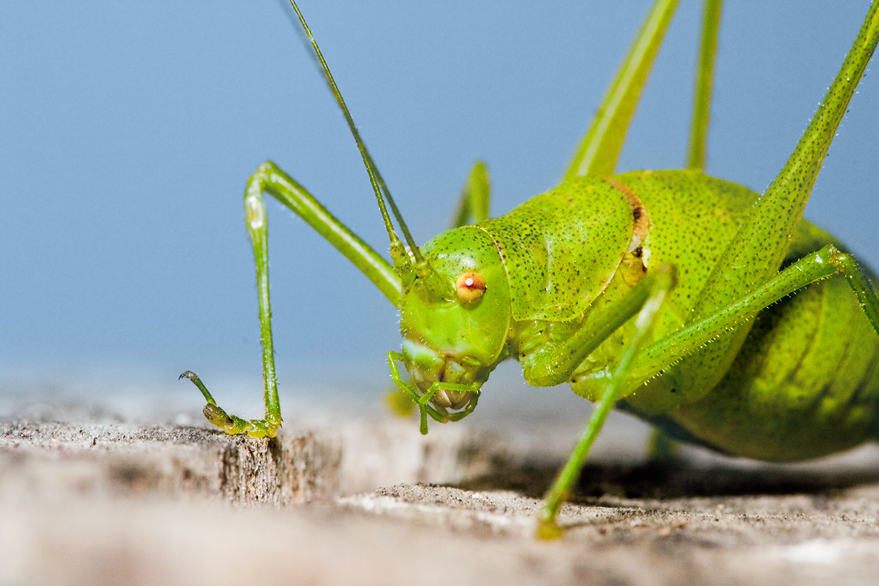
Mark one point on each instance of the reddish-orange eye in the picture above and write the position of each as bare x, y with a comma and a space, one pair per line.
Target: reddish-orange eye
470, 287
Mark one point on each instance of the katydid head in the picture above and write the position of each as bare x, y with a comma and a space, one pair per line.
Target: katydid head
454, 318
455, 307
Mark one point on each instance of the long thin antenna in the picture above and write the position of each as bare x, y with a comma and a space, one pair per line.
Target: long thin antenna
375, 178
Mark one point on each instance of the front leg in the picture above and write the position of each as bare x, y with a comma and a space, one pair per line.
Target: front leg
550, 364
644, 301
269, 178
232, 424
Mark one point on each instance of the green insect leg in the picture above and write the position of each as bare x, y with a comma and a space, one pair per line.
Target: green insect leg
697, 151
472, 204
257, 229
600, 147
639, 365
809, 269
232, 424
659, 288
554, 364
756, 253
269, 178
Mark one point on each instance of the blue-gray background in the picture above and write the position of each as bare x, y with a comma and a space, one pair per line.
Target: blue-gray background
128, 129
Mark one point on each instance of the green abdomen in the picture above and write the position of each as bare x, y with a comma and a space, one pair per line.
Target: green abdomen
806, 381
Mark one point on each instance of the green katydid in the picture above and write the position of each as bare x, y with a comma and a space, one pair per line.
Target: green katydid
664, 293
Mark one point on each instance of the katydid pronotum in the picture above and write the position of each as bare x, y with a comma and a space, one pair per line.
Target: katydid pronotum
663, 293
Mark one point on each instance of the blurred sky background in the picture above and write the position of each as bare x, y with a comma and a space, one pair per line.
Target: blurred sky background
129, 129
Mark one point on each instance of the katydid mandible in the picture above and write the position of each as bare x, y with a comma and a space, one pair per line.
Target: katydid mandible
667, 294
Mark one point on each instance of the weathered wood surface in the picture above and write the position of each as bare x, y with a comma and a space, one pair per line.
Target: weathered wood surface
122, 503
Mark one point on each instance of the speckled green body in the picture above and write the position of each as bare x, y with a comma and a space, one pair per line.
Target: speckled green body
804, 384
806, 381
717, 315
720, 316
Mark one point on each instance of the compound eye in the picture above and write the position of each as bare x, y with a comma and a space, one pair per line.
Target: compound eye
470, 287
